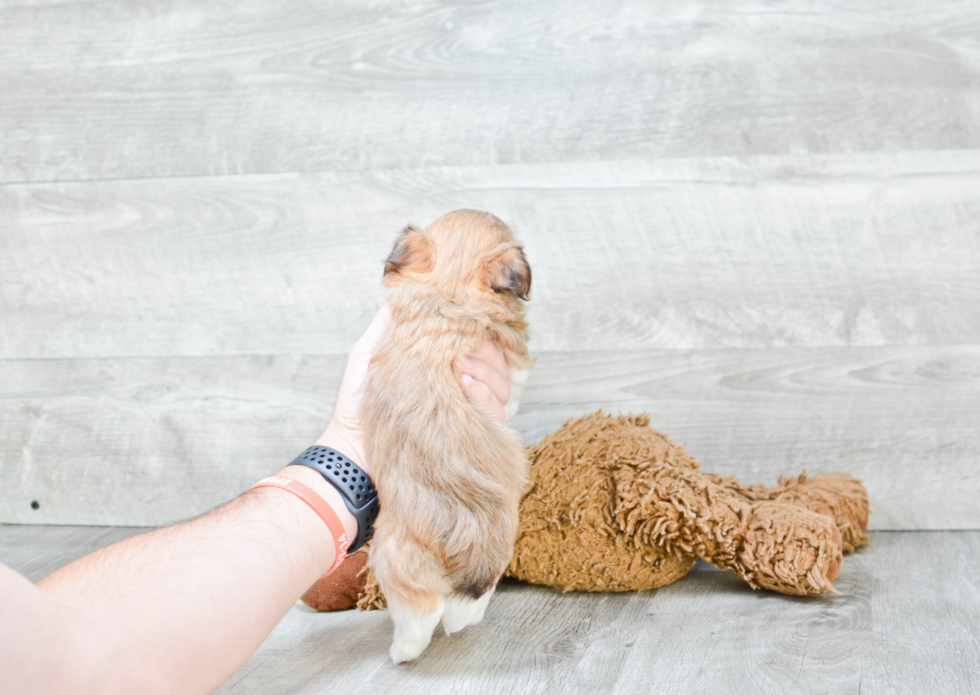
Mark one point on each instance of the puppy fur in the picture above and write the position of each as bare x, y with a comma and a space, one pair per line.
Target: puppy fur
449, 478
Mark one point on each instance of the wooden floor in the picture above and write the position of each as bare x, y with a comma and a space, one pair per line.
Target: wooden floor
905, 621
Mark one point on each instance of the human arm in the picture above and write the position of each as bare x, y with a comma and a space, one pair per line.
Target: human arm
179, 609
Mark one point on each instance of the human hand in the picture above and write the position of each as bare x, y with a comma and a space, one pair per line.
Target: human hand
345, 432
485, 379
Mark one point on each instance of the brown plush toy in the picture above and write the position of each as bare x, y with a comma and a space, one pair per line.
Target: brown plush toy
614, 505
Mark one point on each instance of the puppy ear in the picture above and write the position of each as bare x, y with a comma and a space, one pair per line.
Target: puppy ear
412, 253
509, 272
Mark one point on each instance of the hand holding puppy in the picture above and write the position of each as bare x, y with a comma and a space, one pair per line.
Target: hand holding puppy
484, 378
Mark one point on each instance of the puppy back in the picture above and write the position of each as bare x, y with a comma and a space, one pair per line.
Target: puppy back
447, 475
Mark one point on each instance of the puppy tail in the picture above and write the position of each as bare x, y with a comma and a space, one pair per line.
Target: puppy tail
474, 570
475, 585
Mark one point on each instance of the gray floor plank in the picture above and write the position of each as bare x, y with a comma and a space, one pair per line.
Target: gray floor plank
771, 252
904, 622
705, 633
37, 551
192, 433
116, 89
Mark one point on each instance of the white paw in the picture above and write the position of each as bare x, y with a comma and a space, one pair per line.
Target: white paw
462, 612
518, 381
412, 632
400, 653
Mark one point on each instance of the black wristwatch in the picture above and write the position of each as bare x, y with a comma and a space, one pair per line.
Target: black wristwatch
354, 485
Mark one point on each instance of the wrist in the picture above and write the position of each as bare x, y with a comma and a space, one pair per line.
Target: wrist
296, 526
346, 442
325, 490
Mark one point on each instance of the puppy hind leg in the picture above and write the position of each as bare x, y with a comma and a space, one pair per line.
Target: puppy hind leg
462, 611
414, 584
413, 629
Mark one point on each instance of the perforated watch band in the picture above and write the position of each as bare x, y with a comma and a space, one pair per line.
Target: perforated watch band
354, 485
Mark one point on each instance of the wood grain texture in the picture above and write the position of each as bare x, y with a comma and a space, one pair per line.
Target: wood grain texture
146, 442
764, 252
759, 222
904, 622
903, 420
150, 441
891, 630
117, 89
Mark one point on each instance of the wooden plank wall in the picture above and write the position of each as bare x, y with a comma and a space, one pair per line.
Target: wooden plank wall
759, 222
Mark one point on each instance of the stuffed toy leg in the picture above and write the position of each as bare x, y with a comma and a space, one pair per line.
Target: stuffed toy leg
614, 505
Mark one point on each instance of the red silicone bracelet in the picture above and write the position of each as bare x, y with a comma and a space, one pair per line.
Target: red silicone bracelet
317, 504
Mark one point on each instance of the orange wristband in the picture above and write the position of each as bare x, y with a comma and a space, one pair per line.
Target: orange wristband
317, 504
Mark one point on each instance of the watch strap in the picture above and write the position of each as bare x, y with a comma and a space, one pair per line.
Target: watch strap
355, 487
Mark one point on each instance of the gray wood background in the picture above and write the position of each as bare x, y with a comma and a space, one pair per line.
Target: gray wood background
758, 221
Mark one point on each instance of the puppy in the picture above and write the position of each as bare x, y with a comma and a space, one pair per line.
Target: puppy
449, 477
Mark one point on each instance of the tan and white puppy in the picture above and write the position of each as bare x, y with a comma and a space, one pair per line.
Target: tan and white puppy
449, 477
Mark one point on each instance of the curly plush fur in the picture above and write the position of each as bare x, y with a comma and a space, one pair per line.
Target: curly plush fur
614, 505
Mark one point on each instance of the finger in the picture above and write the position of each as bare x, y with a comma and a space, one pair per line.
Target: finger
365, 347
488, 376
490, 353
375, 332
482, 397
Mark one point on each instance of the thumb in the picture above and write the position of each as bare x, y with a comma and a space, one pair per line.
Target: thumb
375, 332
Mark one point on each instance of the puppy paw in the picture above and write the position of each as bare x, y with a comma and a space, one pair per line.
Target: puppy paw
402, 652
518, 381
413, 632
462, 611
